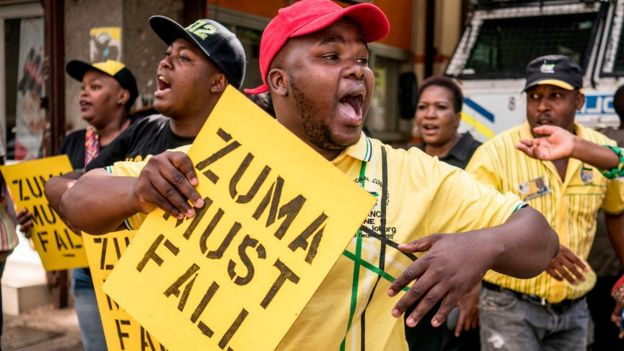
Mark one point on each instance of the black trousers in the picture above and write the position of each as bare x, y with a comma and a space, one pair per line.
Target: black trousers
424, 337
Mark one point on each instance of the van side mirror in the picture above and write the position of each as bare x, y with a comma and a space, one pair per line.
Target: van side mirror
407, 95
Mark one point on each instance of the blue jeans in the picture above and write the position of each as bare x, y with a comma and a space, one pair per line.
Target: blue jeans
508, 323
87, 310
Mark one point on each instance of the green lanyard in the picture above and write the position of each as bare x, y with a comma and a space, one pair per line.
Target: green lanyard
357, 261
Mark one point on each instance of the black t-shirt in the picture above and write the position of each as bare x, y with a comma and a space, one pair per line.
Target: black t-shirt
461, 153
74, 145
149, 136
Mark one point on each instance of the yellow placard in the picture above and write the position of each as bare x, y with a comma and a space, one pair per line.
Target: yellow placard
57, 245
236, 276
122, 332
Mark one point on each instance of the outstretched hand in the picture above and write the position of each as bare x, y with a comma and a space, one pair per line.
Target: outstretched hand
168, 181
567, 266
450, 268
552, 143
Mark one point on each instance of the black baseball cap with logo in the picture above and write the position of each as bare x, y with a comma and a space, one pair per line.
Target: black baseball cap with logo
212, 38
557, 70
77, 69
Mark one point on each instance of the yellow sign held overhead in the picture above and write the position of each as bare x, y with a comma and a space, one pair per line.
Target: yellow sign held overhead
122, 332
236, 276
58, 246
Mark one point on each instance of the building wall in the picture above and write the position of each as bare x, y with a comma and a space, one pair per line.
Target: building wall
447, 31
141, 48
407, 19
400, 18
80, 16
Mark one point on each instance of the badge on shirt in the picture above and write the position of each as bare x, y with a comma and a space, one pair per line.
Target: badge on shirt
587, 174
534, 188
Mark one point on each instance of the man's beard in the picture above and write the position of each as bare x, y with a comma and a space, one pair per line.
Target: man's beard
318, 132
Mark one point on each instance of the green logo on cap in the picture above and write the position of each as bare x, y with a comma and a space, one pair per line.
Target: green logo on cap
547, 68
202, 29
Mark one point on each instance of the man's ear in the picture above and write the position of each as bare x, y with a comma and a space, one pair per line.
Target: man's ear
580, 100
278, 82
123, 98
219, 83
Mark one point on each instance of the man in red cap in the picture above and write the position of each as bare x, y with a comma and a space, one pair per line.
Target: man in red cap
314, 62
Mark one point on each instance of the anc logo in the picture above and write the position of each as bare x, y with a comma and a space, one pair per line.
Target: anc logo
202, 29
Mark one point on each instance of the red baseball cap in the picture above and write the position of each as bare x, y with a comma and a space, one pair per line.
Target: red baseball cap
308, 16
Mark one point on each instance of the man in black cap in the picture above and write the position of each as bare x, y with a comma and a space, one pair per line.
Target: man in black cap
200, 61
550, 310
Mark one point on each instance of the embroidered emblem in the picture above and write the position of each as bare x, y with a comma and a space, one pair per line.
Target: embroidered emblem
587, 174
534, 188
202, 29
547, 68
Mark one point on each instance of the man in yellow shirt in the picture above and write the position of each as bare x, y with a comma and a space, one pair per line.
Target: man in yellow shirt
314, 62
548, 311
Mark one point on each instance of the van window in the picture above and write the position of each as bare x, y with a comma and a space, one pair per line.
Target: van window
504, 46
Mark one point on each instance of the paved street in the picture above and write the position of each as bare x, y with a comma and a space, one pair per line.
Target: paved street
43, 329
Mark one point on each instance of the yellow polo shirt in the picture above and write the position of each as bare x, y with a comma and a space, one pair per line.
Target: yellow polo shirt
351, 308
569, 206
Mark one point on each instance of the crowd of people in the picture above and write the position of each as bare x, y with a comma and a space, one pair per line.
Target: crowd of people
502, 230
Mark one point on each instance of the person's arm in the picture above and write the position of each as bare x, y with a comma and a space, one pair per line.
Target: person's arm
555, 143
166, 181
521, 247
56, 186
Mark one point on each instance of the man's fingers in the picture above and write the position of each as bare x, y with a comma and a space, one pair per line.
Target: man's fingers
186, 173
419, 245
554, 273
176, 171
461, 323
182, 162
172, 197
544, 130
573, 259
572, 263
448, 303
414, 271
424, 303
565, 274
525, 147
578, 275
171, 175
152, 197
558, 271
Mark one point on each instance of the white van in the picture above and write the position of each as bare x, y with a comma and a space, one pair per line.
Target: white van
502, 36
